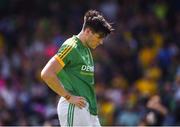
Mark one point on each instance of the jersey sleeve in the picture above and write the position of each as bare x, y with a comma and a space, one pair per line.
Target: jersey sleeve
64, 54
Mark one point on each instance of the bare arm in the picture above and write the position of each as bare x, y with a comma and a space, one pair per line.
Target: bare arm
49, 75
155, 103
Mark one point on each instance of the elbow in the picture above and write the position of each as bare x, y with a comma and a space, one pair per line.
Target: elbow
47, 74
43, 75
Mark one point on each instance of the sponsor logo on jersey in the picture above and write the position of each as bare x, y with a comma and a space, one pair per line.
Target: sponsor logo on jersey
87, 68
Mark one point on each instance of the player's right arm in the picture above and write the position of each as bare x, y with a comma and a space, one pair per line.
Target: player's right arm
49, 75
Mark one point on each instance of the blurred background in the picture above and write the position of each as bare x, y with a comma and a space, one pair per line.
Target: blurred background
137, 69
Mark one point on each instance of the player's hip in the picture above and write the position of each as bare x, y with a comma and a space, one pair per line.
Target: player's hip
69, 114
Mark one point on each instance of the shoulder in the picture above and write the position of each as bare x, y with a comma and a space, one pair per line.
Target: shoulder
68, 47
70, 43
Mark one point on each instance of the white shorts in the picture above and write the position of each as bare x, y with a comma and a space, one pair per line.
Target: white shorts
71, 115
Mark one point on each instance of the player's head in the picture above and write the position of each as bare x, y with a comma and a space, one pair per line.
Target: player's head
96, 28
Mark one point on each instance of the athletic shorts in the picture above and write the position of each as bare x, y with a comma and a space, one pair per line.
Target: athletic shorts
71, 115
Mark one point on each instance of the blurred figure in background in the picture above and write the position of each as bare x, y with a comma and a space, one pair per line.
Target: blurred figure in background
156, 111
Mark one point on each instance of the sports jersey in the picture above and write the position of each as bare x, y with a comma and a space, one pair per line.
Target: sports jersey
77, 75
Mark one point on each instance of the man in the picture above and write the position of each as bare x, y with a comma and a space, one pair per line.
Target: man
70, 73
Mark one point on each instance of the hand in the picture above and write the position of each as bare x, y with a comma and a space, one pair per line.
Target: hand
78, 101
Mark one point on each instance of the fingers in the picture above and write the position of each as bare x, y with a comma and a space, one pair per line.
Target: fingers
81, 102
78, 101
82, 99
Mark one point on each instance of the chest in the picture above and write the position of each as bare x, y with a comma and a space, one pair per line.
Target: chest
84, 61
86, 57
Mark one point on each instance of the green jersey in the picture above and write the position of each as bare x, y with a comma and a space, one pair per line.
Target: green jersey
77, 75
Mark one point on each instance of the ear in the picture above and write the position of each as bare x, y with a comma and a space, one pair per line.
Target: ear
88, 31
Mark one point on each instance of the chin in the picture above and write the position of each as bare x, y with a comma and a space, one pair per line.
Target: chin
94, 47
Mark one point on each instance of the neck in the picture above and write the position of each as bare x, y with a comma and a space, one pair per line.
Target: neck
82, 38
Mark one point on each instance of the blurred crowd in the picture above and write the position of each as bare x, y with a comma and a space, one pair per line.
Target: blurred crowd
137, 70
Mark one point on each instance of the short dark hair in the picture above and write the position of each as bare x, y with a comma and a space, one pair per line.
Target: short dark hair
97, 23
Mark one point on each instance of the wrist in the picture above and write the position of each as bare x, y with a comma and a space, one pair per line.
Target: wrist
67, 97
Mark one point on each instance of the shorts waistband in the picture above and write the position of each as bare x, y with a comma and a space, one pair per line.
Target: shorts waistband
63, 100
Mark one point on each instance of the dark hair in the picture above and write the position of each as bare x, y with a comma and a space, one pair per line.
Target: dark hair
97, 23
